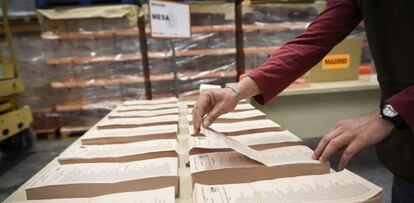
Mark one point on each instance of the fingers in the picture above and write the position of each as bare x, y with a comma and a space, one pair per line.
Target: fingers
324, 142
334, 145
200, 108
348, 153
212, 116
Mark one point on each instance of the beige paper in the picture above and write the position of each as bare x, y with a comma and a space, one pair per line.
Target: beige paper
137, 114
136, 122
106, 172
105, 136
243, 127
340, 187
164, 195
238, 115
235, 145
118, 152
239, 107
122, 108
270, 157
249, 139
150, 102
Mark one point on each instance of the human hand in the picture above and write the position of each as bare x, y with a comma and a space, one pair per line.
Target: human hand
352, 135
213, 103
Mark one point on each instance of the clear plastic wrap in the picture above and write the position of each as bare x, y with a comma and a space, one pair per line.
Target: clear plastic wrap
207, 57
78, 69
282, 22
285, 21
75, 71
21, 8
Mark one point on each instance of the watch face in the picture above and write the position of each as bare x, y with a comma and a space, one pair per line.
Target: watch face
389, 111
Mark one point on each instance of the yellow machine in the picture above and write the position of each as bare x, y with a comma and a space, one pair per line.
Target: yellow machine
15, 119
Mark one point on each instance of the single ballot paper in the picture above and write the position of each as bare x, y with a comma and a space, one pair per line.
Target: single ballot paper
128, 135
340, 187
233, 167
235, 145
138, 114
146, 107
257, 141
150, 102
243, 127
108, 123
134, 151
248, 115
93, 179
240, 107
246, 127
162, 195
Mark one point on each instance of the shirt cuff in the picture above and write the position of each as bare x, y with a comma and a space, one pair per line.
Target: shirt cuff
404, 110
259, 79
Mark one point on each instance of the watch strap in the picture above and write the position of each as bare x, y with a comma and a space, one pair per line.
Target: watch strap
397, 120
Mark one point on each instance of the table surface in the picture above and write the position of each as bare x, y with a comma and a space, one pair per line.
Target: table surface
366, 82
185, 185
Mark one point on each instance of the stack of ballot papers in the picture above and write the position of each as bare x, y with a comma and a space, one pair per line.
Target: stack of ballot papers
127, 135
162, 195
146, 107
138, 113
258, 141
93, 179
119, 152
144, 113
234, 167
228, 158
239, 107
167, 100
247, 115
243, 127
340, 187
111, 123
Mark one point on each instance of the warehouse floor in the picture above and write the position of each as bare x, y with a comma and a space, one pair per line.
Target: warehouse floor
14, 171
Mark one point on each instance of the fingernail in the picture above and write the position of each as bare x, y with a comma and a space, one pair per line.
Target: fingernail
321, 159
206, 123
340, 167
314, 157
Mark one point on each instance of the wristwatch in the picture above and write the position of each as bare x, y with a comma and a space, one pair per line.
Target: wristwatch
388, 113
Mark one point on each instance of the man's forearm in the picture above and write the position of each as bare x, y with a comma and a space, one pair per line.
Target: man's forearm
247, 87
297, 56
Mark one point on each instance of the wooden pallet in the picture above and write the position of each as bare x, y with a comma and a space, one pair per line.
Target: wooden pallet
73, 132
47, 133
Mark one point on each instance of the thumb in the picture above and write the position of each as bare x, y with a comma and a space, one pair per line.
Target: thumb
212, 116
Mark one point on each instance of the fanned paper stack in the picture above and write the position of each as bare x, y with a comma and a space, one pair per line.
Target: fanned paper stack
245, 157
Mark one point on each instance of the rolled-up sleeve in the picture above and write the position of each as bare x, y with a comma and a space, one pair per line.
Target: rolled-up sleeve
297, 56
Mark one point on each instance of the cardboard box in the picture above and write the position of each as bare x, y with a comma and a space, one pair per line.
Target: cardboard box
341, 63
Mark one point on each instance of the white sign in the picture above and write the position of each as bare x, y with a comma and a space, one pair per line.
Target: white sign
169, 19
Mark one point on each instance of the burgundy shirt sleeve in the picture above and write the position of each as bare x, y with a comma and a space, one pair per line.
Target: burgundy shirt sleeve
297, 56
403, 103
